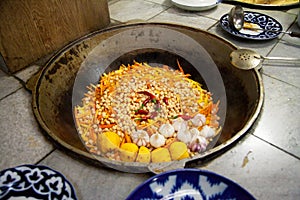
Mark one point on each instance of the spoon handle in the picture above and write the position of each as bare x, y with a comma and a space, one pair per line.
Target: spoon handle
294, 34
291, 33
282, 58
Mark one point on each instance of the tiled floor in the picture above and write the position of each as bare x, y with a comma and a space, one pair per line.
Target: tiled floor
272, 149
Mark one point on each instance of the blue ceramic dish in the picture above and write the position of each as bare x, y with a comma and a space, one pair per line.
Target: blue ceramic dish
189, 184
260, 20
35, 181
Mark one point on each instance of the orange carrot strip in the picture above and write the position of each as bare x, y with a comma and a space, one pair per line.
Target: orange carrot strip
106, 125
207, 109
123, 141
97, 115
127, 138
180, 68
148, 85
101, 86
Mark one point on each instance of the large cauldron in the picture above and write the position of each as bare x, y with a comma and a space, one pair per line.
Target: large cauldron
52, 94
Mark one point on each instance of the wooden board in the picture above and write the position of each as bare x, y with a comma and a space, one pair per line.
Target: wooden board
32, 29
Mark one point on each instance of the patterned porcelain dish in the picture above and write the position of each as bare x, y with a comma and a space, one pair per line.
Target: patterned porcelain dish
34, 182
189, 184
254, 20
266, 4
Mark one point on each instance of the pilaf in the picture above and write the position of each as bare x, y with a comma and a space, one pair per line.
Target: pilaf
140, 113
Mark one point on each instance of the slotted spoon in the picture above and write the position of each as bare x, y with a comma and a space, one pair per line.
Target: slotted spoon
248, 59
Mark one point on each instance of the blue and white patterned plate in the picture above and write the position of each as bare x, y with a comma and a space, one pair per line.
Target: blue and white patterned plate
257, 19
34, 182
189, 184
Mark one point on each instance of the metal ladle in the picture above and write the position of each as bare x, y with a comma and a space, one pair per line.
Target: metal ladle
247, 59
236, 21
236, 18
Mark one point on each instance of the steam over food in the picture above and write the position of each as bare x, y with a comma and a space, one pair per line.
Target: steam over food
140, 113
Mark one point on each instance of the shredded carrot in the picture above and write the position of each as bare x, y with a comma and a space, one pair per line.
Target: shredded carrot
148, 85
207, 109
106, 125
101, 87
127, 138
98, 116
180, 68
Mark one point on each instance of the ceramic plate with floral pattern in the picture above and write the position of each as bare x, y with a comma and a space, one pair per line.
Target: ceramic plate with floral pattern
189, 184
34, 182
274, 4
254, 20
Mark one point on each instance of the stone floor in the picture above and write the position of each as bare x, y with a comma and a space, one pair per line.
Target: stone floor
271, 147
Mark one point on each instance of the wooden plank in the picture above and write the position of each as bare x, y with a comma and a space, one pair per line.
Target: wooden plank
32, 29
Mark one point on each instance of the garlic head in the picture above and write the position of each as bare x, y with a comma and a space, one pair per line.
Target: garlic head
184, 136
207, 132
157, 140
167, 130
198, 120
140, 137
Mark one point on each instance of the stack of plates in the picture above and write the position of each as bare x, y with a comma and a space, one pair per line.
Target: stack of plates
195, 5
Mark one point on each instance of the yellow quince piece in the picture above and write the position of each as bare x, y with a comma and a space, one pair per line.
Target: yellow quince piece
128, 152
160, 155
108, 141
144, 155
178, 151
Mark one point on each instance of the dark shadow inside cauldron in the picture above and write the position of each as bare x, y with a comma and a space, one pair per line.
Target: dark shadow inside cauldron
157, 58
239, 108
